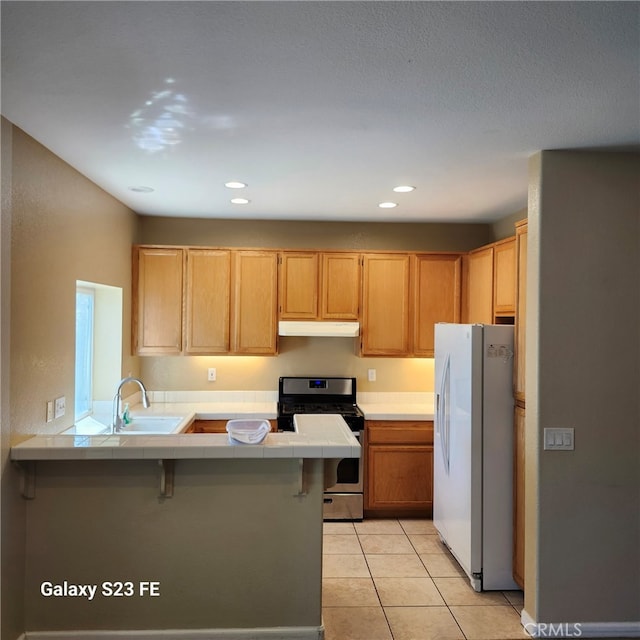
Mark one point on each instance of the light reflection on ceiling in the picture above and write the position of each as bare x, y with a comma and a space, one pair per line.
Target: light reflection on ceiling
162, 121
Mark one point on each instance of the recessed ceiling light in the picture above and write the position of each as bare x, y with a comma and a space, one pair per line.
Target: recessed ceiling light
404, 188
234, 184
388, 205
240, 201
142, 189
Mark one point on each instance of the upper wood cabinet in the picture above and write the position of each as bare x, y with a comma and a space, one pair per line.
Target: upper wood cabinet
521, 310
437, 280
229, 298
490, 283
340, 290
299, 282
504, 278
207, 301
157, 300
385, 329
319, 286
479, 286
255, 302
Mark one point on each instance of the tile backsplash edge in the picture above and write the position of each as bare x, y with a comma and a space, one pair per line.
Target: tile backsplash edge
368, 397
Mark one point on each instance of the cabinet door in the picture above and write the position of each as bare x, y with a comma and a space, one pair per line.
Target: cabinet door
385, 314
504, 274
518, 496
299, 281
157, 296
521, 312
480, 286
400, 477
207, 301
340, 288
399, 464
255, 287
437, 297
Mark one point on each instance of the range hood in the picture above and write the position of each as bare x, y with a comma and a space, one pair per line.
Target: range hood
322, 329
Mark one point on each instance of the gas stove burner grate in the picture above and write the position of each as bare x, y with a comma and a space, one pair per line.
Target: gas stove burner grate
342, 409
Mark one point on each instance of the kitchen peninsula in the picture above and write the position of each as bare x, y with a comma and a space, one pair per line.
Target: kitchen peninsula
204, 536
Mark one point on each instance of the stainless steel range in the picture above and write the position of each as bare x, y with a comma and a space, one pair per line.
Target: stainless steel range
297, 395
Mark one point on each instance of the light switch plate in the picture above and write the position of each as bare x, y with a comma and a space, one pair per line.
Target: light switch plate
59, 407
49, 410
211, 374
556, 439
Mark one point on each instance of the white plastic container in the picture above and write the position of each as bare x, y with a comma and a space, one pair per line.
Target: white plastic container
247, 431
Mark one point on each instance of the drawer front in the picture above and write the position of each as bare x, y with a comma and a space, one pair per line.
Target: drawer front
399, 432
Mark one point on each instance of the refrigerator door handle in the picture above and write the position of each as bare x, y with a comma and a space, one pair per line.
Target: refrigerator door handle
443, 413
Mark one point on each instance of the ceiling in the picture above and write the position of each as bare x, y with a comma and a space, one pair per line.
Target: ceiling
320, 107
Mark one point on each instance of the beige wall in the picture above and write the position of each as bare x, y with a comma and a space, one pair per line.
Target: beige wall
12, 513
532, 444
64, 229
235, 547
506, 227
301, 356
298, 356
291, 234
583, 526
57, 227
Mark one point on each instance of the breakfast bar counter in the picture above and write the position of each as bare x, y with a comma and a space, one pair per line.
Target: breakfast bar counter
234, 549
331, 439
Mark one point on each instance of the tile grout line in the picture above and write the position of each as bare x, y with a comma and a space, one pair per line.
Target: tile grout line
437, 589
384, 613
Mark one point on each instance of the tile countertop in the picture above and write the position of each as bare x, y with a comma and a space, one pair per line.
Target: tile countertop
398, 412
397, 406
88, 442
325, 436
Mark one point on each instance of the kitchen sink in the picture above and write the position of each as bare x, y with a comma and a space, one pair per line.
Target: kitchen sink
153, 425
140, 425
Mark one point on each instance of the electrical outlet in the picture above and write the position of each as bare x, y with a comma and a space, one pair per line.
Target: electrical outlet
371, 375
211, 374
49, 410
59, 407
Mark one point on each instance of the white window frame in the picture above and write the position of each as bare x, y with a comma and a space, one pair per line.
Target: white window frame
84, 370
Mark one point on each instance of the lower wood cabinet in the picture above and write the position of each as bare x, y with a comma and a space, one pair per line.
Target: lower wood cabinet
399, 468
216, 426
518, 495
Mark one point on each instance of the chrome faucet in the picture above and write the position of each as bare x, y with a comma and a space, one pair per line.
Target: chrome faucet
116, 423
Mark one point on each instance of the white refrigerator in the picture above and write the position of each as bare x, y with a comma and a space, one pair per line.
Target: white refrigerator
473, 449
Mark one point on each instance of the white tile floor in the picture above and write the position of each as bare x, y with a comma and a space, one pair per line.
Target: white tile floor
395, 580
